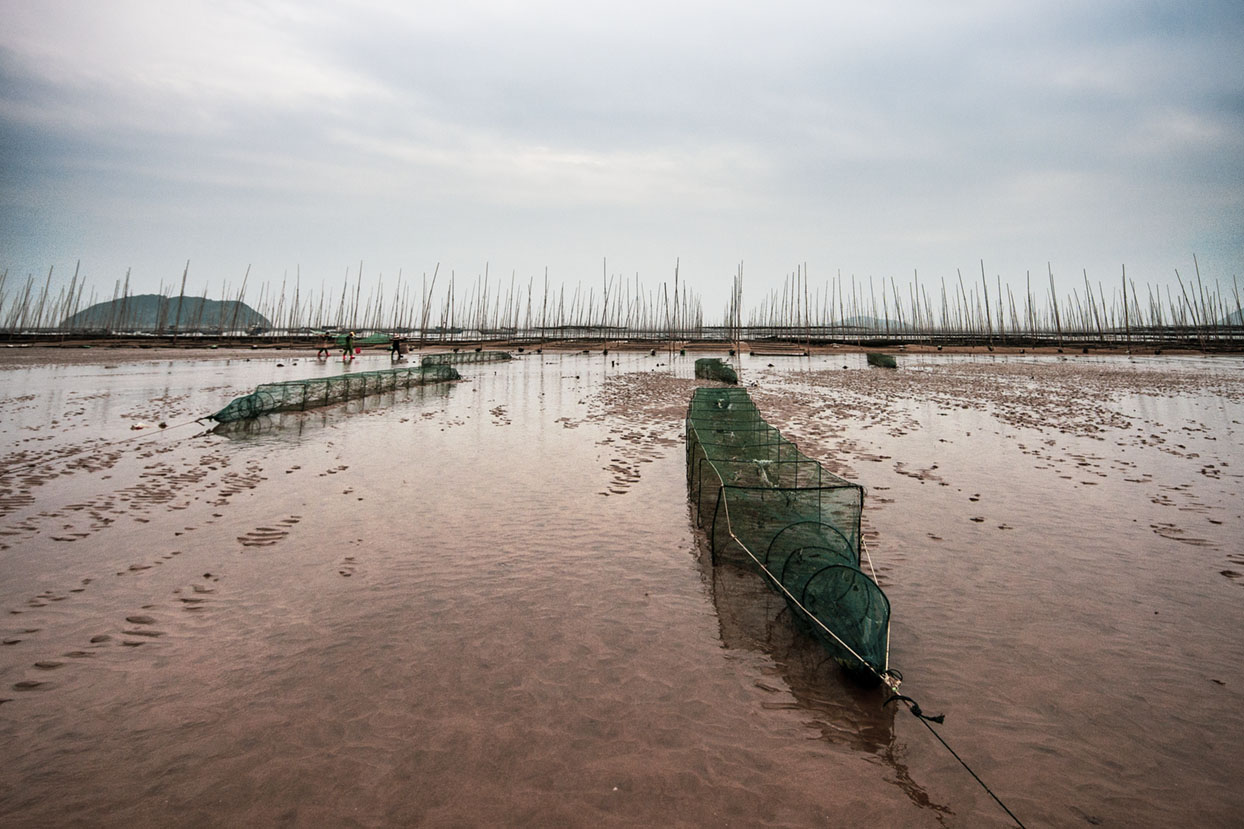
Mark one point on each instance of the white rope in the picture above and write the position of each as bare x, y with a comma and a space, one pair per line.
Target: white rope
867, 557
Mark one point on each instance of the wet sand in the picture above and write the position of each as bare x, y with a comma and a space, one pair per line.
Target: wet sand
486, 603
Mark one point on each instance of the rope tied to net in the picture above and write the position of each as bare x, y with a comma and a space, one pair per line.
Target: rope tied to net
914, 707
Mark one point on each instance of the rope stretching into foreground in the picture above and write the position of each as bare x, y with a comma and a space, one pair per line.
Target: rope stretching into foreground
925, 720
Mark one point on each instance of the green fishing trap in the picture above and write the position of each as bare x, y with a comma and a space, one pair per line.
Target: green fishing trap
712, 368
300, 395
763, 503
451, 358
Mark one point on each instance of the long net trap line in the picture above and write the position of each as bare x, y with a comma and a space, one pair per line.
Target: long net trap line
300, 395
450, 358
762, 501
712, 368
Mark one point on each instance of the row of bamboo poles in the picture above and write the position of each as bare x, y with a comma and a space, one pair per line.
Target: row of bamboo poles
487, 307
970, 311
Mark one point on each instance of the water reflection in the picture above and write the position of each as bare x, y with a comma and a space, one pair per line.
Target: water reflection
752, 617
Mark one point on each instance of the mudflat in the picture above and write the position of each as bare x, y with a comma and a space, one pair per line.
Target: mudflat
486, 602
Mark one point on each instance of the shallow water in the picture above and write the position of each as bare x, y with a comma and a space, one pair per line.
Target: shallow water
486, 603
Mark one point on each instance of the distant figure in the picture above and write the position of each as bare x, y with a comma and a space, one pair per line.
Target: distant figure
395, 348
347, 353
325, 342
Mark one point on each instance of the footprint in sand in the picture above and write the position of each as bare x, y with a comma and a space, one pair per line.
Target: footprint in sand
1175, 533
234, 482
195, 602
140, 622
267, 536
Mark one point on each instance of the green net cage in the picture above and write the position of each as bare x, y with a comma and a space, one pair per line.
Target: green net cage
712, 368
451, 358
762, 502
300, 395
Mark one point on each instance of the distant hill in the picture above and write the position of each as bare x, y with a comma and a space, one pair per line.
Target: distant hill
152, 312
1234, 318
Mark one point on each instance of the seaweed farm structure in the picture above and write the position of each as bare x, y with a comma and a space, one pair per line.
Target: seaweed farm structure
764, 504
300, 395
1197, 313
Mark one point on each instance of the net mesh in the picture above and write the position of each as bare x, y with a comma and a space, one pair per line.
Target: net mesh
712, 368
763, 502
299, 395
461, 357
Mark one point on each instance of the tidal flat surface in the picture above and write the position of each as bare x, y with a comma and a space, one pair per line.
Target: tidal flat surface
486, 603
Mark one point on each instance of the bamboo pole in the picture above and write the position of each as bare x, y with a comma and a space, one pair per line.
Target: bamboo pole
1058, 324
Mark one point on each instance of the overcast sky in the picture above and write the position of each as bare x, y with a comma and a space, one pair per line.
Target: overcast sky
875, 139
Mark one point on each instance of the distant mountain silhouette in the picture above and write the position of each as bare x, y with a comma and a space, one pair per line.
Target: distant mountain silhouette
1234, 318
152, 312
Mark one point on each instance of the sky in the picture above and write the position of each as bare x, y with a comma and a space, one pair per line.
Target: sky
875, 140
